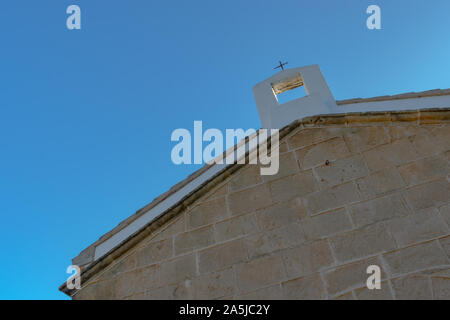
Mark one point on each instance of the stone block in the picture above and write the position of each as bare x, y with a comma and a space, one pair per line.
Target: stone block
177, 270
276, 239
207, 213
362, 242
425, 169
306, 137
175, 226
341, 171
236, 227
332, 198
127, 263
288, 166
441, 288
307, 258
430, 194
154, 252
326, 224
350, 276
318, 154
445, 213
195, 239
379, 209
214, 285
305, 288
293, 186
249, 200
416, 258
380, 183
280, 214
424, 225
248, 176
445, 243
222, 256
412, 287
258, 273
361, 139
390, 155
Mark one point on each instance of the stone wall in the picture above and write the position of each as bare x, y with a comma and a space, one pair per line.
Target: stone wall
344, 198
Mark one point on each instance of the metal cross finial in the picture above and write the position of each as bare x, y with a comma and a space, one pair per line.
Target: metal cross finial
281, 65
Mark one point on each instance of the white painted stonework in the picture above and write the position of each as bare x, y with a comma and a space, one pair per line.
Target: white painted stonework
319, 99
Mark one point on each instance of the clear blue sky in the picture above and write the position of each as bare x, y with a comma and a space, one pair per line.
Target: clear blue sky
86, 116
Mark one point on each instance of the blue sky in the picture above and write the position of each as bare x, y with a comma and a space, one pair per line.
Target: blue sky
86, 116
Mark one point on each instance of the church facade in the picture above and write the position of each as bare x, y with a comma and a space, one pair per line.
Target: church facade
355, 189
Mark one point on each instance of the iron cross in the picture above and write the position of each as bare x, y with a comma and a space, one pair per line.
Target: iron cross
281, 65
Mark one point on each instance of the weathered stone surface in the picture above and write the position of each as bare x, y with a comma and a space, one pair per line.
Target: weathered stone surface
445, 243
402, 132
349, 276
445, 213
217, 193
178, 225
307, 258
441, 288
281, 214
207, 213
363, 138
311, 136
380, 183
127, 263
341, 171
415, 258
269, 293
305, 288
195, 239
441, 136
424, 225
178, 269
275, 239
235, 227
288, 166
363, 242
259, 273
326, 224
293, 186
412, 287
389, 155
435, 193
423, 144
316, 155
425, 169
249, 200
214, 285
154, 252
246, 177
375, 294
332, 198
138, 280
379, 209
222, 256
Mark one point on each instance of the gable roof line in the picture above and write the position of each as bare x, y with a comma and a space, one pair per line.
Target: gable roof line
221, 172
88, 251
